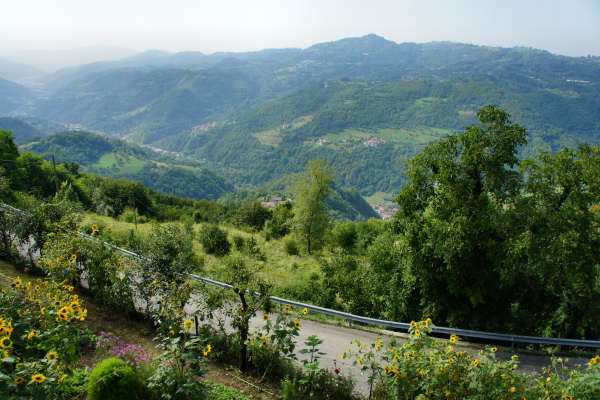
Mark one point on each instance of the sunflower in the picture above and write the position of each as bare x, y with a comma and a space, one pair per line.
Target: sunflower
297, 324
494, 349
305, 311
188, 324
73, 257
287, 307
52, 355
62, 378
39, 378
17, 283
5, 343
476, 363
43, 310
32, 334
265, 316
18, 381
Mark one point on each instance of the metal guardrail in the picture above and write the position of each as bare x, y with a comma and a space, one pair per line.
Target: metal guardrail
482, 335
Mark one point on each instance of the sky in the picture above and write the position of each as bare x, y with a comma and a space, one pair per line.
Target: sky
569, 27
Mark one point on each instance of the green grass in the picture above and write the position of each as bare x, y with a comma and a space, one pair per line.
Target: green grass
272, 137
280, 269
419, 136
129, 165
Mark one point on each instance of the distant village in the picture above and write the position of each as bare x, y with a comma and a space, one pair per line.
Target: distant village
385, 212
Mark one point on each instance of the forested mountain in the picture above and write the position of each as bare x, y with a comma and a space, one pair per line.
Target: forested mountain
364, 104
17, 72
13, 96
174, 175
119, 159
22, 131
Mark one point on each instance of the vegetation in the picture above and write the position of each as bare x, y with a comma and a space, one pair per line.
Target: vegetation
311, 216
112, 378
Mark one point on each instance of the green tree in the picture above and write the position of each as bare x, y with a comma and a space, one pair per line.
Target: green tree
280, 222
556, 250
455, 211
252, 214
311, 217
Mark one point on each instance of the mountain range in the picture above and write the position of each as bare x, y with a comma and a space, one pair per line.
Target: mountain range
364, 104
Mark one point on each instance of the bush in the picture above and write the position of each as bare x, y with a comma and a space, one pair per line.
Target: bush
214, 241
112, 379
291, 247
239, 242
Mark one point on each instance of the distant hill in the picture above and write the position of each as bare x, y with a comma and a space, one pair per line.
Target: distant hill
365, 104
17, 72
13, 97
119, 159
22, 131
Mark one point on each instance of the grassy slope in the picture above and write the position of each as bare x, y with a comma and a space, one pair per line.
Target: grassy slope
279, 268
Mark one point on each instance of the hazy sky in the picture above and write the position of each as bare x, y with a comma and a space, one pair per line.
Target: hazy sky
570, 27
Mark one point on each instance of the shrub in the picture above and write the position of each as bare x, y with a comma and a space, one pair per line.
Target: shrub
291, 247
214, 241
112, 379
239, 242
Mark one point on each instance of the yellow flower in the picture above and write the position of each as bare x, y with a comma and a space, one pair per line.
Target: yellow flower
94, 229
475, 363
73, 257
305, 311
209, 348
52, 355
188, 324
265, 316
62, 378
18, 380
417, 332
43, 310
287, 307
172, 332
297, 324
494, 349
452, 339
32, 334
17, 283
343, 356
5, 343
512, 389
39, 378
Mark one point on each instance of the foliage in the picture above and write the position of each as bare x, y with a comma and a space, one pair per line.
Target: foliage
253, 295
291, 247
214, 241
112, 378
168, 255
425, 367
310, 213
311, 365
272, 347
280, 223
253, 215
220, 392
73, 258
40, 338
469, 217
180, 368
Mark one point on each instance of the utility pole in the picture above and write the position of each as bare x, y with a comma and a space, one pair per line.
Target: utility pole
132, 201
55, 176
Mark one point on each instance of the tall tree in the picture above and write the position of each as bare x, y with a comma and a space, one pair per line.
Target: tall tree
311, 215
454, 215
